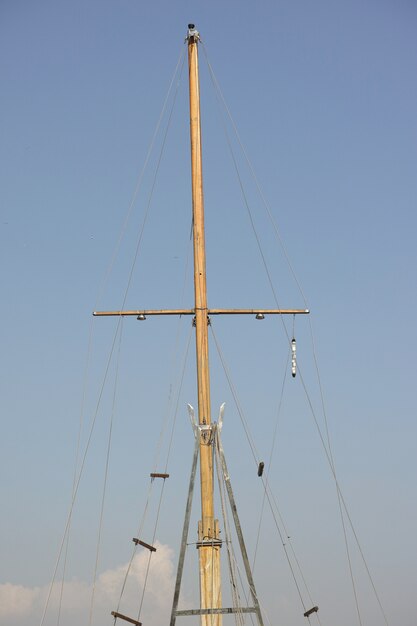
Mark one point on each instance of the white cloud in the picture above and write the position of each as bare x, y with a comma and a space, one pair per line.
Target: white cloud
23, 606
16, 600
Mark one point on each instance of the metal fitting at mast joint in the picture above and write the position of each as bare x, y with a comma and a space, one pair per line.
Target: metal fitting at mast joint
192, 33
206, 433
195, 321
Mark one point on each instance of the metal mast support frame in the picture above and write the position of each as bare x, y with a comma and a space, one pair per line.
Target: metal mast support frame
206, 613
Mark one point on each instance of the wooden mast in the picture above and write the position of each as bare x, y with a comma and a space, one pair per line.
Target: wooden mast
209, 542
208, 533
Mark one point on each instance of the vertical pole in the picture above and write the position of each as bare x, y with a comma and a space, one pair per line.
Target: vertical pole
209, 550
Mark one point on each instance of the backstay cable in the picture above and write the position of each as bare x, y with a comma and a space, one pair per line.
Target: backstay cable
327, 448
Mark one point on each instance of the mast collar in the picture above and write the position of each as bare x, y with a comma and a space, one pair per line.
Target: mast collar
192, 33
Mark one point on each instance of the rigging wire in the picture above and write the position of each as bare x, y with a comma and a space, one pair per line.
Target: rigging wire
144, 515
141, 232
235, 397
266, 486
250, 215
139, 533
255, 456
77, 455
164, 425
80, 473
174, 421
148, 498
229, 546
261, 194
341, 500
221, 99
236, 565
150, 553
150, 197
166, 466
352, 578
106, 471
173, 369
264, 261
269, 464
233, 564
178, 70
94, 419
329, 458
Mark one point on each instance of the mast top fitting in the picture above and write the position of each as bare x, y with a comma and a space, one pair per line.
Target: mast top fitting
192, 33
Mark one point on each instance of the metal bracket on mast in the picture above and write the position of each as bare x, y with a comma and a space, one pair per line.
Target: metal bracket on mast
205, 430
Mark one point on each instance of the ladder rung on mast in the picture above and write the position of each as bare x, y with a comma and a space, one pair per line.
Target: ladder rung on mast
127, 619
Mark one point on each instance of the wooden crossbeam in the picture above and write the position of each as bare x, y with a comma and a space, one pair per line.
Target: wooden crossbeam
158, 475
142, 543
258, 311
127, 619
311, 611
146, 312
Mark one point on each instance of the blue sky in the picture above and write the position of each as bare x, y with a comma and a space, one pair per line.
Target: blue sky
324, 96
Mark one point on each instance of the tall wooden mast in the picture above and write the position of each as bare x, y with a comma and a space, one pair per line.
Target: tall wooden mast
209, 542
208, 533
